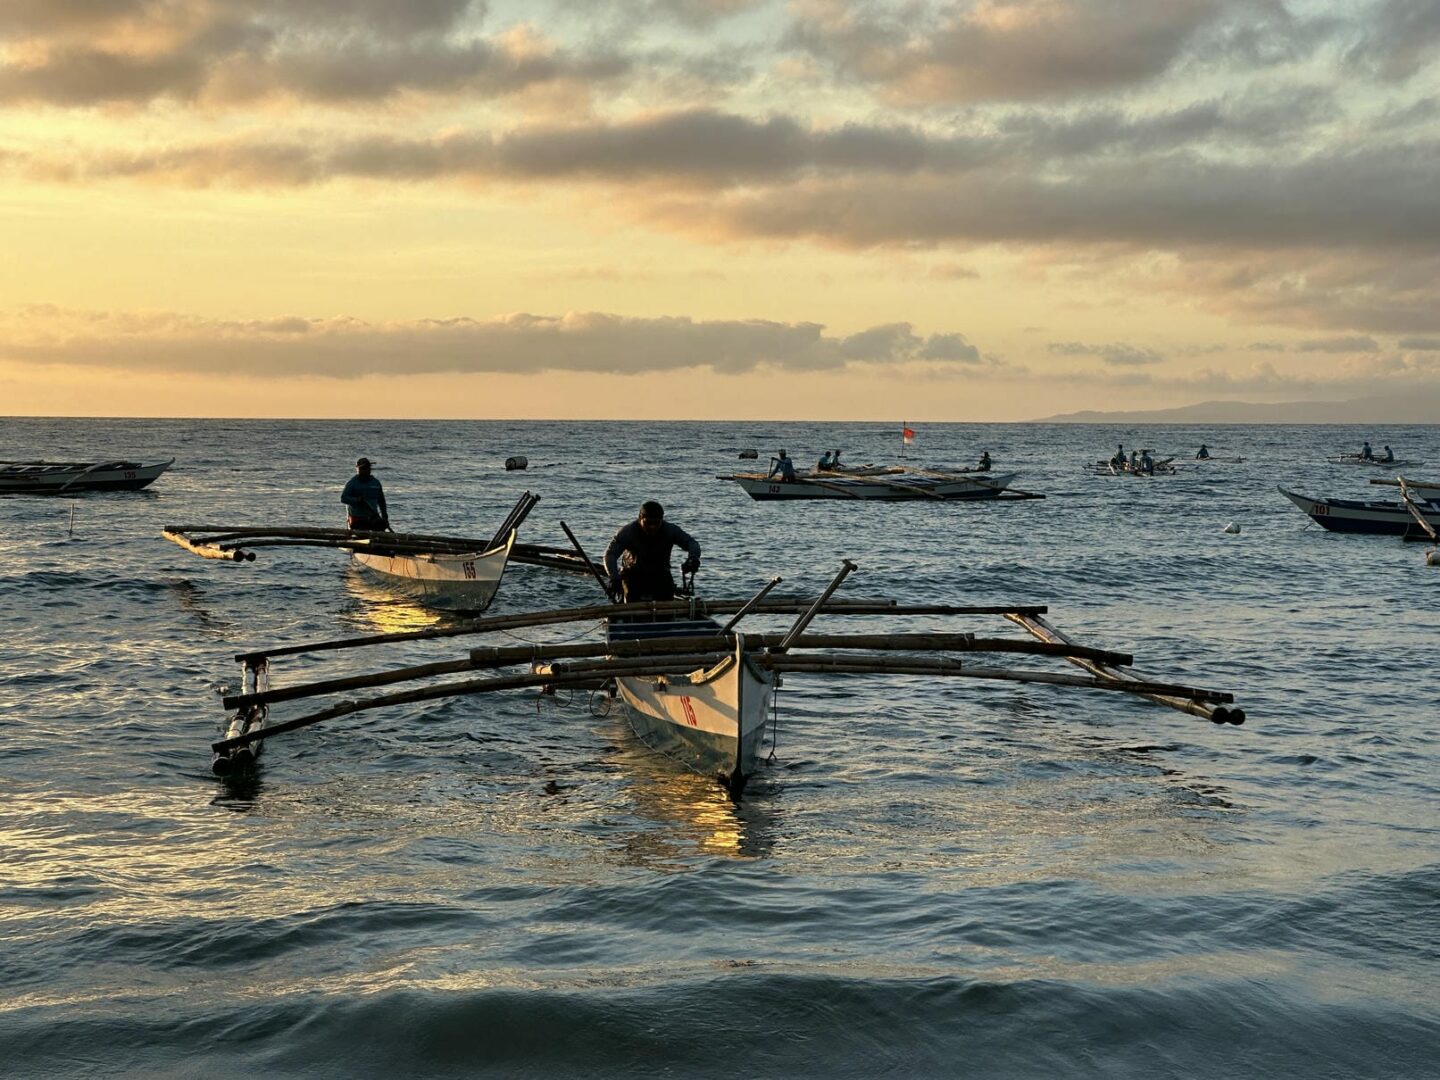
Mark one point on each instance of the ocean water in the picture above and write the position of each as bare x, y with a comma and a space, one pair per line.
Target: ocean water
930, 879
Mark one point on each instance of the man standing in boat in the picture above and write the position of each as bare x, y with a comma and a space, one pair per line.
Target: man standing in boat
638, 558
785, 468
364, 501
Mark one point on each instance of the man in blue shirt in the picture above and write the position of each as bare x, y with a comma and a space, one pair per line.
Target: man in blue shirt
784, 466
364, 501
645, 545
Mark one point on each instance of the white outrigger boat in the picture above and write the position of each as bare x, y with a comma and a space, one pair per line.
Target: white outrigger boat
442, 572
63, 477
882, 484
1373, 462
1158, 467
696, 690
1408, 518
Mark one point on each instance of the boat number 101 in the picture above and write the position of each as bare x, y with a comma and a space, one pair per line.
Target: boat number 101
468, 568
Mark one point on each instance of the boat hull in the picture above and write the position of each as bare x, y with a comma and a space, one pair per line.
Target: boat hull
895, 487
63, 478
711, 722
459, 582
1360, 516
1373, 463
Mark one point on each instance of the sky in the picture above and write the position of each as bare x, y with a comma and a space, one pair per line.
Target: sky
709, 209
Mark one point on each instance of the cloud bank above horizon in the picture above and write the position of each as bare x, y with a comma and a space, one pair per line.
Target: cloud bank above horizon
817, 186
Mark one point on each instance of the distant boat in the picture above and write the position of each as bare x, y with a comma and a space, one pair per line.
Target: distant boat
1158, 467
1375, 462
1374, 517
62, 477
880, 484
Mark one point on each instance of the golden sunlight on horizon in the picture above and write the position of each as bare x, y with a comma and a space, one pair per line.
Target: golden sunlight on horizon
231, 209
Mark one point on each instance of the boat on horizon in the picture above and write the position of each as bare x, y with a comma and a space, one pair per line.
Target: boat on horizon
890, 483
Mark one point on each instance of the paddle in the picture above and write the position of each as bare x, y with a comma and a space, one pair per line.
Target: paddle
604, 582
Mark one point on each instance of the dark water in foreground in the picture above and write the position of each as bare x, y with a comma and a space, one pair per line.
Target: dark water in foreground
965, 879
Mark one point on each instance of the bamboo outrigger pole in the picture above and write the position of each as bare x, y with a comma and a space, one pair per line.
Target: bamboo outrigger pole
585, 673
1045, 632
502, 656
652, 609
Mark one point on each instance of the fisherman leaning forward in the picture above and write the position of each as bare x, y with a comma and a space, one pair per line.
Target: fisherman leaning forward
638, 558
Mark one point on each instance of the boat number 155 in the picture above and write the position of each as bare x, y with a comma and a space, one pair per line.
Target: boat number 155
468, 568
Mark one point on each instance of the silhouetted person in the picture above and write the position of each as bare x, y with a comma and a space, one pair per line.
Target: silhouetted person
638, 558
364, 500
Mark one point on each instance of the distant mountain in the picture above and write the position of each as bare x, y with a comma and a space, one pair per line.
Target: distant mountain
1414, 408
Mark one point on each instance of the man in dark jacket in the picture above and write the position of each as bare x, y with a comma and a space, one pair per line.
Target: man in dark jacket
638, 558
364, 500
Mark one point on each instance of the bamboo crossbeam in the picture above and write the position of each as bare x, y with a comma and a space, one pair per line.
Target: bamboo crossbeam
776, 606
664, 648
912, 665
614, 669
206, 551
1045, 632
583, 672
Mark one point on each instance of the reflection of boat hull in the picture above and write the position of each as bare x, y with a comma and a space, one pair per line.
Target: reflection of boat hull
450, 582
889, 487
57, 478
711, 721
1360, 516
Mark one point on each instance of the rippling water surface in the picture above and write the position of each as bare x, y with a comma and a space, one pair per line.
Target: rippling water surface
967, 878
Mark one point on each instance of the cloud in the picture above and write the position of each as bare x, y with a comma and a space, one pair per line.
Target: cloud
232, 52
1007, 49
1339, 345
1399, 38
1117, 354
1353, 291
348, 348
1420, 344
863, 185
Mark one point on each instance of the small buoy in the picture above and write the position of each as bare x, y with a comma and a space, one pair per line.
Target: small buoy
1432, 557
519, 461
749, 454
1232, 528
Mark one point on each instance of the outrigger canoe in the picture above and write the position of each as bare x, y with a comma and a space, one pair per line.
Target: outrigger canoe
446, 573
63, 477
1374, 517
893, 484
699, 692
1373, 462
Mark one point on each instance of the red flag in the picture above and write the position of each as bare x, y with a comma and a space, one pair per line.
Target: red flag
907, 435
